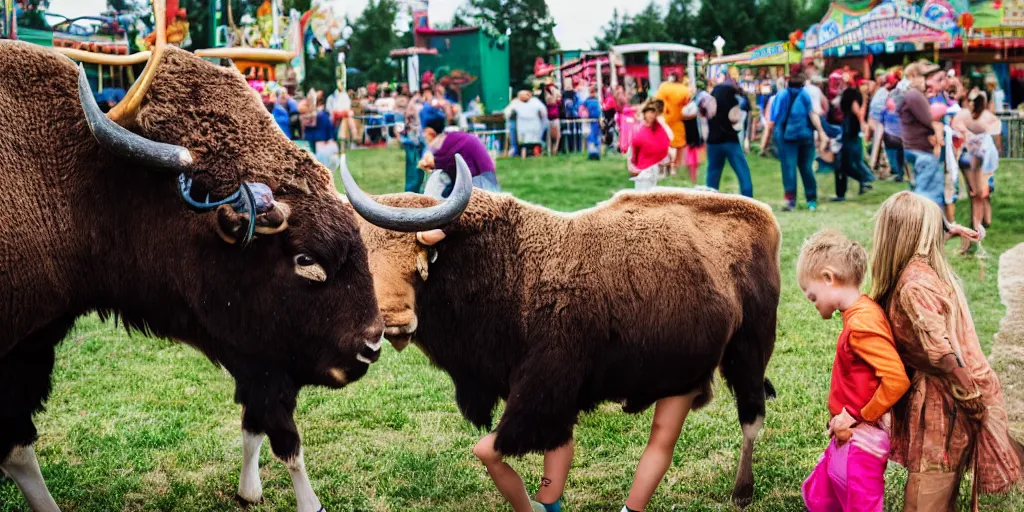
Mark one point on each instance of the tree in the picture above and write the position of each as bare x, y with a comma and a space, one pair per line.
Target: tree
648, 26
373, 38
778, 18
681, 22
734, 20
529, 26
614, 32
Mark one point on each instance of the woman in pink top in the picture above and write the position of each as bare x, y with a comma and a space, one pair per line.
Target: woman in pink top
649, 148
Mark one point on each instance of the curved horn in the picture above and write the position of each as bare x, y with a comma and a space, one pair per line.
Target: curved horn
411, 219
127, 108
118, 140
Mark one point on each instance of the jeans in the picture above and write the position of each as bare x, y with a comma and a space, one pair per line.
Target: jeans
896, 162
929, 175
793, 156
413, 174
852, 165
732, 151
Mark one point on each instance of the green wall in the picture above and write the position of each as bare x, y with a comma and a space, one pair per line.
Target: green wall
475, 54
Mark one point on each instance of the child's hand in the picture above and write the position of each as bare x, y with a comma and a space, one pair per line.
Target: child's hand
427, 162
841, 426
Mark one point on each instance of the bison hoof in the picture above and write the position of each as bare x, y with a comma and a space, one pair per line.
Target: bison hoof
743, 495
247, 502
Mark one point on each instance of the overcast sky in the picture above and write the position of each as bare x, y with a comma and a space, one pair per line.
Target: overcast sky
578, 21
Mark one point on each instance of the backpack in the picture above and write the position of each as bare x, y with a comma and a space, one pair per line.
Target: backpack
784, 123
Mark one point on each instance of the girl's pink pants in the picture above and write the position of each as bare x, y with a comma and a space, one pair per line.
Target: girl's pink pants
850, 477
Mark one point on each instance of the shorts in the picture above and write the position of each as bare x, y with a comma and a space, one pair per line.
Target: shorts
929, 175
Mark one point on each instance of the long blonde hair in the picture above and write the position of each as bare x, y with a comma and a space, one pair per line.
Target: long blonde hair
909, 226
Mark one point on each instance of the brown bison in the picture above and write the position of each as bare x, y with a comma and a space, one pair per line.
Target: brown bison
269, 278
637, 299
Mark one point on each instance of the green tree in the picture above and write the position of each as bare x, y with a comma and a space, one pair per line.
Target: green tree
681, 22
778, 18
735, 20
529, 26
614, 32
373, 38
648, 26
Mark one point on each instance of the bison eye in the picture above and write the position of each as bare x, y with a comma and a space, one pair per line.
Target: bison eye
307, 268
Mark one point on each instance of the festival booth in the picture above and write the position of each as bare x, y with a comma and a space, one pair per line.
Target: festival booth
474, 61
645, 66
780, 54
990, 49
857, 35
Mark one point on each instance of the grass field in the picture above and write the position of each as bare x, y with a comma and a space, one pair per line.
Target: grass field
144, 424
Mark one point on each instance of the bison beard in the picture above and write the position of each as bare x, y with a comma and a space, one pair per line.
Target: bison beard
635, 300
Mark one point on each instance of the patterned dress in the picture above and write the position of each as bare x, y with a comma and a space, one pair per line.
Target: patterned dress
931, 431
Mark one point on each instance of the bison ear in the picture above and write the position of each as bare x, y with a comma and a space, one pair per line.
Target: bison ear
423, 261
431, 237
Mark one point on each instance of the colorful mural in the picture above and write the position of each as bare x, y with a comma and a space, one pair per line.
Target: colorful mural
886, 27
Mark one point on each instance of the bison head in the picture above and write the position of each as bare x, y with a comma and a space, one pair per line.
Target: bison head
400, 256
242, 244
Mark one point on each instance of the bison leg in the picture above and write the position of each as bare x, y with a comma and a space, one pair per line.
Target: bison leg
269, 404
24, 387
21, 465
743, 367
250, 489
542, 406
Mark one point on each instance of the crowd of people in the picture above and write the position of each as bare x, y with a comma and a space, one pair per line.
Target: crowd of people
919, 124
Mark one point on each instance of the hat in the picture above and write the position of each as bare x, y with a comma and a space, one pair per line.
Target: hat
927, 69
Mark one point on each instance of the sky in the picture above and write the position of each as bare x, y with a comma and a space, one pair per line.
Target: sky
577, 21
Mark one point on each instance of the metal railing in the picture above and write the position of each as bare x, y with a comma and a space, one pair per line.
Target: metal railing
1011, 142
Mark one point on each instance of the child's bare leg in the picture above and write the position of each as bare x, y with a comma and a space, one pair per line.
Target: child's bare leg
556, 471
669, 415
505, 478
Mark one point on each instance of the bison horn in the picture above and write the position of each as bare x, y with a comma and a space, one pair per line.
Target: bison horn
411, 219
122, 142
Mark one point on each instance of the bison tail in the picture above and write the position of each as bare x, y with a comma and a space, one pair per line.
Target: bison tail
769, 390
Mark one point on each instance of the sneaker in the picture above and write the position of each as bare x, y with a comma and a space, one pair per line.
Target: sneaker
790, 206
898, 179
812, 205
837, 199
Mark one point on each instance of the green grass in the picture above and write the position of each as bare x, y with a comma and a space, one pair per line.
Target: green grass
137, 423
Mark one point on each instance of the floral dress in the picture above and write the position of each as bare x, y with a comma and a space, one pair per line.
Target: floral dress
932, 431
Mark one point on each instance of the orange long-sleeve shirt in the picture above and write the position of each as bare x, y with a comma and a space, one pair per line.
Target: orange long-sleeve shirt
868, 377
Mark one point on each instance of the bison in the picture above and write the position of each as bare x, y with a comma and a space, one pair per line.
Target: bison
187, 215
637, 299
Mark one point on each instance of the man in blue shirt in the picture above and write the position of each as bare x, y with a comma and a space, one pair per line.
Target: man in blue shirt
795, 123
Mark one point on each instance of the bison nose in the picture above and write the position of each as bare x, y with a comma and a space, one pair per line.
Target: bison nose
373, 338
375, 331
